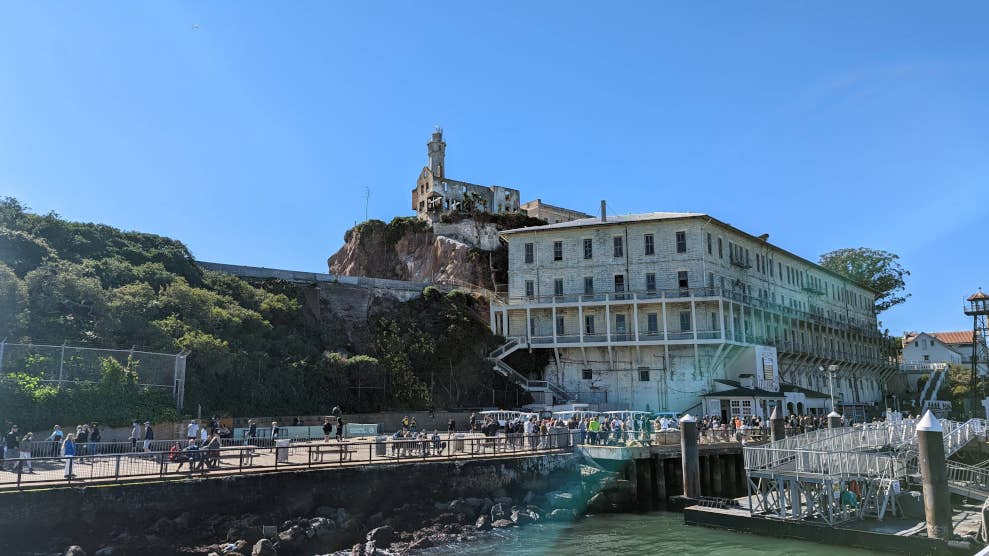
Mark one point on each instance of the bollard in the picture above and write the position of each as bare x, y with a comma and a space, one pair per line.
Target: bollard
834, 420
934, 472
777, 427
690, 457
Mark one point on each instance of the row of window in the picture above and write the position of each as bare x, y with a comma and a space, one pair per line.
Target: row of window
618, 247
619, 284
588, 374
621, 324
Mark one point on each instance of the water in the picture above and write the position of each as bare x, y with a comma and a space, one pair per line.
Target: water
624, 534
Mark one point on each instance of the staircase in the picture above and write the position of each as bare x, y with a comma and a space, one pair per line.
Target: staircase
543, 391
929, 394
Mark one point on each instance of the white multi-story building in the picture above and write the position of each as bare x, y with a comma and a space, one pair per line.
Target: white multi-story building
662, 311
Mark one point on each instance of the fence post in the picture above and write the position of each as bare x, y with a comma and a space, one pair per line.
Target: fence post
61, 366
2, 343
116, 469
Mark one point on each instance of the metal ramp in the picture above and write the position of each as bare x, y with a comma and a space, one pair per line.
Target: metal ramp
543, 391
809, 476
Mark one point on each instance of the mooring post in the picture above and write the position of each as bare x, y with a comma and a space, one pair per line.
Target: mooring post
934, 472
690, 457
776, 425
834, 420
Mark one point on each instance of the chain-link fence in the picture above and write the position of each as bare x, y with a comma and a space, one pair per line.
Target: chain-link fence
66, 364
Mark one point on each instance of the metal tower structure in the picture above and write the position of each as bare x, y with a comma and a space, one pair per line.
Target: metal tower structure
977, 307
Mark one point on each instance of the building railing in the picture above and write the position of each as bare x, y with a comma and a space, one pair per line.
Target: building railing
686, 294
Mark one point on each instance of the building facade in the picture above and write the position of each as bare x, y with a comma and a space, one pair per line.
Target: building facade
436, 194
552, 214
649, 311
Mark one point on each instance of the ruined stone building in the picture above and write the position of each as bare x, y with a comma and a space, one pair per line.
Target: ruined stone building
683, 312
436, 194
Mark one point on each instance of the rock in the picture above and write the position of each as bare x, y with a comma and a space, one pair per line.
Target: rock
213, 554
475, 503
109, 551
357, 550
498, 511
351, 525
370, 548
242, 546
912, 504
486, 506
326, 511
420, 543
498, 493
561, 500
376, 519
462, 507
562, 514
75, 550
502, 523
503, 500
342, 517
323, 527
599, 503
382, 536
441, 506
293, 537
263, 548
163, 526
524, 516
529, 497
483, 523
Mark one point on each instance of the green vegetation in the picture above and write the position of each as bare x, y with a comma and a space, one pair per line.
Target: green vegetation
872, 268
253, 350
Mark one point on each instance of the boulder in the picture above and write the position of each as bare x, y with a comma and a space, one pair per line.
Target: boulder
382, 536
502, 524
264, 548
499, 511
475, 503
420, 543
529, 497
109, 551
561, 500
357, 550
599, 503
562, 514
483, 523
323, 527
342, 517
503, 500
293, 537
75, 550
242, 547
370, 548
441, 506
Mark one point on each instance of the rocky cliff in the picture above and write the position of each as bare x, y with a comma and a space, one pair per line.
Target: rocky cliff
408, 249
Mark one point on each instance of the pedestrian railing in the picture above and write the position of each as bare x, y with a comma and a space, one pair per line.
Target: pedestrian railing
46, 471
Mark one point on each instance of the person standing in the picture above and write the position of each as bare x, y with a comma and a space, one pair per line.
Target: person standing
82, 439
135, 433
327, 429
56, 437
94, 438
192, 431
149, 435
69, 452
252, 432
274, 431
451, 426
339, 429
25, 452
11, 443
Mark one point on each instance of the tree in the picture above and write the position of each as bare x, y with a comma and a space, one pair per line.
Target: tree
871, 268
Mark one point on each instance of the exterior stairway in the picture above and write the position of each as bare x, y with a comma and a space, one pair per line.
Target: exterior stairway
929, 394
542, 391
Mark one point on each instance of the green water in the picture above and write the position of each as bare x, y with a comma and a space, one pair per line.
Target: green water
624, 534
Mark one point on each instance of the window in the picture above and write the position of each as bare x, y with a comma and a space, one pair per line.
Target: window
650, 281
619, 282
558, 286
916, 344
620, 324
559, 326
780, 269
714, 321
588, 285
710, 279
532, 326
652, 323
530, 289
682, 279
771, 268
721, 253
643, 375
586, 374
709, 251
530, 251
650, 242
685, 321
619, 246
557, 250
588, 248
588, 324
681, 242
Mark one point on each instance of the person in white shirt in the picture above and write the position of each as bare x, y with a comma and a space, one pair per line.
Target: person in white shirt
192, 431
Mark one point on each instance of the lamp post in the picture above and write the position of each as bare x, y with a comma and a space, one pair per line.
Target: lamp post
831, 370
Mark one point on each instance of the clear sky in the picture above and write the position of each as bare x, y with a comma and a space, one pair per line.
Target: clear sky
249, 130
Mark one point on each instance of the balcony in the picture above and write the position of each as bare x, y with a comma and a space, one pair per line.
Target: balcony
738, 260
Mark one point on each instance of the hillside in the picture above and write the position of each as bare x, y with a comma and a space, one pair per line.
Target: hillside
253, 349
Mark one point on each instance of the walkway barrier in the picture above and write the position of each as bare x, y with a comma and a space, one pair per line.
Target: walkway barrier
235, 458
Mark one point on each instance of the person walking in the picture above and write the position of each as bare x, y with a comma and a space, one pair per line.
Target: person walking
149, 435
69, 453
25, 453
451, 426
135, 433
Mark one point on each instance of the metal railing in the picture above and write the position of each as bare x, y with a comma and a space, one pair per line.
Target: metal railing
236, 458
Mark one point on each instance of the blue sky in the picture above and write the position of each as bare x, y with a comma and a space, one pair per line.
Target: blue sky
250, 130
